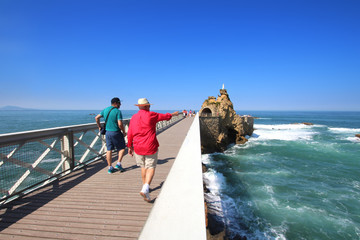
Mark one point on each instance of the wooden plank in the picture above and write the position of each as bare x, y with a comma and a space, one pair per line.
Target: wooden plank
61, 230
62, 234
92, 225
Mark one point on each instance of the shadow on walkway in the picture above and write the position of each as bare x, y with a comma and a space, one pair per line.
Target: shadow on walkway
14, 211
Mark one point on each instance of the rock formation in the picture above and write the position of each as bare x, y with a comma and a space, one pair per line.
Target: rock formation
220, 125
305, 123
357, 135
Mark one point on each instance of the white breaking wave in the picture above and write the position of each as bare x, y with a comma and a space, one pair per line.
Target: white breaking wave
347, 134
345, 130
228, 208
286, 132
353, 139
214, 181
205, 159
282, 126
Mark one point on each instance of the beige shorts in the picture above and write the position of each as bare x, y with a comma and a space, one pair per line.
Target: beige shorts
146, 161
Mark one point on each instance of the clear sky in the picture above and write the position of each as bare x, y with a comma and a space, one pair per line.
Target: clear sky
270, 54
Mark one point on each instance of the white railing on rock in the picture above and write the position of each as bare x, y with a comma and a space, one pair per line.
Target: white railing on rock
32, 159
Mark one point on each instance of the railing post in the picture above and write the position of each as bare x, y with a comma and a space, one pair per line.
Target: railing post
103, 144
67, 149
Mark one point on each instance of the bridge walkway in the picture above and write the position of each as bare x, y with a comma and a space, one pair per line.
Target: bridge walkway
90, 203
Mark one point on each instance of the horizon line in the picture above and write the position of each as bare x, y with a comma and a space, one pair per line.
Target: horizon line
197, 110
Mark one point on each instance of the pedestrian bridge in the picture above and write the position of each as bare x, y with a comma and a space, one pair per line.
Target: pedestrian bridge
54, 185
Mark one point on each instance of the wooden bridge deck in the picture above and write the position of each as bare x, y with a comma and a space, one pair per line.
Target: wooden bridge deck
90, 203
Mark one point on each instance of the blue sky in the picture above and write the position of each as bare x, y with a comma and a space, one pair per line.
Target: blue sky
270, 54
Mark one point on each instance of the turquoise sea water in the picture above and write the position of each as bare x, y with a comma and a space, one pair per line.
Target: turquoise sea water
18, 121
26, 120
291, 181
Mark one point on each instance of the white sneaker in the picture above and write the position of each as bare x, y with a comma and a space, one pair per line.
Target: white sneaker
146, 196
145, 188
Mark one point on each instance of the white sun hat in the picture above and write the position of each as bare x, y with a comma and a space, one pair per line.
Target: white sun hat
143, 102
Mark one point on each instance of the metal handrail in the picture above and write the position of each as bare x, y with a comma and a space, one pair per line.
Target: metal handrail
32, 159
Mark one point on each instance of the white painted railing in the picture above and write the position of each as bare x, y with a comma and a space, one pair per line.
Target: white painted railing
29, 160
179, 211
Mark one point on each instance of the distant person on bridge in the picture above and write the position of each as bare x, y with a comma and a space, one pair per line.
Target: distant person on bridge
143, 144
115, 132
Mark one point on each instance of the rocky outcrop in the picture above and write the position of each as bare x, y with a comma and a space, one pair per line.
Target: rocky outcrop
357, 135
305, 123
220, 125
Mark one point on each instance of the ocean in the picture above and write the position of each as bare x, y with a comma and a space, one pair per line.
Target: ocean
290, 181
26, 120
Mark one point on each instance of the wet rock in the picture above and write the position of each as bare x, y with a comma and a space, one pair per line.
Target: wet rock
216, 228
241, 140
305, 123
204, 168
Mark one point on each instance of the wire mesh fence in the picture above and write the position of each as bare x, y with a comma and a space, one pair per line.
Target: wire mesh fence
29, 160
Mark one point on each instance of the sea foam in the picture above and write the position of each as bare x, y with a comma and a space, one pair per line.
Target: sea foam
347, 134
235, 215
285, 132
345, 130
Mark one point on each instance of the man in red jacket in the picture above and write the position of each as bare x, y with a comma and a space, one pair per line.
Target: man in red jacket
143, 144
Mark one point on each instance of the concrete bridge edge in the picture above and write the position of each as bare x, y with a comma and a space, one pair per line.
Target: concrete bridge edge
178, 212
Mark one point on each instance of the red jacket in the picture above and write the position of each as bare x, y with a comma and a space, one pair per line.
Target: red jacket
142, 131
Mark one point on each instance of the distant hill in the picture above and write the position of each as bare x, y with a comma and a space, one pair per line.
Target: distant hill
14, 108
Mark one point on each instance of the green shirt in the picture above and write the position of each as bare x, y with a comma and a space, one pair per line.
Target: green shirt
112, 122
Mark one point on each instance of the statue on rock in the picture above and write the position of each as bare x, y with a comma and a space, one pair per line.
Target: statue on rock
220, 125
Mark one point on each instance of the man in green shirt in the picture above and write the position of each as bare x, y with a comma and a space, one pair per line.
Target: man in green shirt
115, 133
